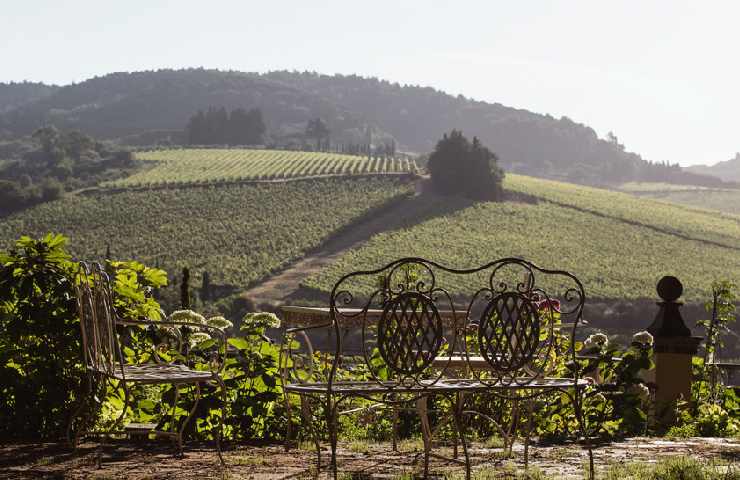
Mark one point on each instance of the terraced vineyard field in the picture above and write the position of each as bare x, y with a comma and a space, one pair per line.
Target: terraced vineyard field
692, 223
238, 233
618, 245
204, 166
727, 201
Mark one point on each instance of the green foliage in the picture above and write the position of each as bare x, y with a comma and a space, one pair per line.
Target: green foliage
713, 410
203, 166
460, 167
722, 311
133, 285
39, 338
672, 468
40, 349
217, 127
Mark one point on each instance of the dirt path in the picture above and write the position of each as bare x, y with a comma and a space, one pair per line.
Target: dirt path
280, 286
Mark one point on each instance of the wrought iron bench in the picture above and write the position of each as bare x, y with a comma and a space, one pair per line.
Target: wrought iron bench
413, 332
105, 364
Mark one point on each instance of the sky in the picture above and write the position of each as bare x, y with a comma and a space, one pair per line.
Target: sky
664, 76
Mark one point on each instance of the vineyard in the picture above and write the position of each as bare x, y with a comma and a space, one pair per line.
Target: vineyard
692, 223
205, 166
238, 233
727, 201
598, 235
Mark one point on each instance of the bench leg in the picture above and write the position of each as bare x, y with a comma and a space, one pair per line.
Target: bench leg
426, 431
457, 400
530, 412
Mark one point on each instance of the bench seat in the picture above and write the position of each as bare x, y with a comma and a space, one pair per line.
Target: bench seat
446, 385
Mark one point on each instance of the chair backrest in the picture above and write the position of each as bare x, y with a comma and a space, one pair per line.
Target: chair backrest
521, 319
97, 320
416, 317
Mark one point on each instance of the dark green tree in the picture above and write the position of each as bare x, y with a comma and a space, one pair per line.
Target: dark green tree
317, 130
461, 167
185, 289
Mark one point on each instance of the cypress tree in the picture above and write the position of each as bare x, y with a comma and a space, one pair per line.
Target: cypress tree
185, 289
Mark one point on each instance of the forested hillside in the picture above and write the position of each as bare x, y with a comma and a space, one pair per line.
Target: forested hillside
138, 104
15, 94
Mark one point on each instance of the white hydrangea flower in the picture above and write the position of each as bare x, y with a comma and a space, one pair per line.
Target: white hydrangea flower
198, 337
219, 322
596, 340
642, 392
188, 316
261, 320
643, 338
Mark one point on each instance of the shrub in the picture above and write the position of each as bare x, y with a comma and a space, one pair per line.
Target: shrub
40, 350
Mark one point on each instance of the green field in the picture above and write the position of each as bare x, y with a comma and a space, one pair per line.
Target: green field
617, 252
693, 223
657, 187
238, 233
727, 201
204, 166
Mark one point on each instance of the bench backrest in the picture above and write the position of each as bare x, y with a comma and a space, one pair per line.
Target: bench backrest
418, 319
97, 320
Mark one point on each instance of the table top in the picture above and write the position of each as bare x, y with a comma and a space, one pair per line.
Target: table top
294, 315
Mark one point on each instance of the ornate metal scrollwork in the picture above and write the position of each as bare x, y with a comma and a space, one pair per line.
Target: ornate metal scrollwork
509, 333
410, 333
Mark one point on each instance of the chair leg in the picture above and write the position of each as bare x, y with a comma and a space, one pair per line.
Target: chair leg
394, 435
126, 397
81, 403
460, 430
181, 431
307, 422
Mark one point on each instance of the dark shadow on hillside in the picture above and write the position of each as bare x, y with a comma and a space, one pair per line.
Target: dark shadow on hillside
397, 215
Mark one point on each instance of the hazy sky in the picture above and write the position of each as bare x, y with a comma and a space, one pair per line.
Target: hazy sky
664, 76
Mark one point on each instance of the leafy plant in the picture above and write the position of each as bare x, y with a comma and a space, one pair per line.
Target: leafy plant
40, 352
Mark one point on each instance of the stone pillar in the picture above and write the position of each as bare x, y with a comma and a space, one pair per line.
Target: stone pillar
674, 348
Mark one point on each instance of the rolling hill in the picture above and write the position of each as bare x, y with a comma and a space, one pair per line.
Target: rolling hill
618, 245
729, 170
153, 106
238, 233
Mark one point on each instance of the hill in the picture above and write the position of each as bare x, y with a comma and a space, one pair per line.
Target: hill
125, 104
728, 170
238, 233
719, 199
618, 245
156, 105
14, 95
201, 166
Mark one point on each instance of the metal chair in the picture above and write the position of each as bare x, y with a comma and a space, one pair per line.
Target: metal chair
105, 364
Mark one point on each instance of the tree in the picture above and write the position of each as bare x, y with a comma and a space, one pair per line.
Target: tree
460, 167
317, 129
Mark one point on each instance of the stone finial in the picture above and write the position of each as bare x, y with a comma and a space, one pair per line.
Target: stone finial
668, 322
